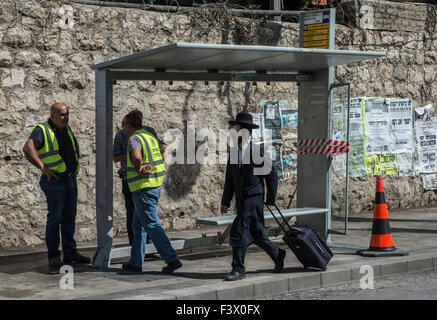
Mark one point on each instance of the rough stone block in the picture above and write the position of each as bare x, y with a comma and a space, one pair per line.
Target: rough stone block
18, 38
16, 77
27, 58
5, 59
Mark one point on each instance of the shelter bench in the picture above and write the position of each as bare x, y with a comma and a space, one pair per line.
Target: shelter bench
287, 213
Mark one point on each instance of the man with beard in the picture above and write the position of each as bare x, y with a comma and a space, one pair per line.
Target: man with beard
245, 178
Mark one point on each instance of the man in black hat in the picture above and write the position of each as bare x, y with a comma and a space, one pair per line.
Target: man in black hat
245, 174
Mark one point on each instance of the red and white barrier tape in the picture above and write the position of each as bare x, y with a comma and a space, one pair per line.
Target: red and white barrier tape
339, 153
321, 142
330, 150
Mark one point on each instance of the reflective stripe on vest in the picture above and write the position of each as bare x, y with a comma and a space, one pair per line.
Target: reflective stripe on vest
134, 179
49, 153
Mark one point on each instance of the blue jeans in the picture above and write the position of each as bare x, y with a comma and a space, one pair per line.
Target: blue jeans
61, 196
146, 221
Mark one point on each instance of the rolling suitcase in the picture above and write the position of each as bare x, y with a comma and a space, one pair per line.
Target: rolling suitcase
306, 243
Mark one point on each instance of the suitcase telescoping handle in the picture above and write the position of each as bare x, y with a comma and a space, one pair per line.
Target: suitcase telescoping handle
283, 229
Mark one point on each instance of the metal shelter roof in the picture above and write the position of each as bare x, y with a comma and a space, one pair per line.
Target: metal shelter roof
192, 57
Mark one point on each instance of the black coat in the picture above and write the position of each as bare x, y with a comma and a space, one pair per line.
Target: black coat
248, 187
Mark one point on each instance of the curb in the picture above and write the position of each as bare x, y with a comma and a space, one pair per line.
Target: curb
265, 286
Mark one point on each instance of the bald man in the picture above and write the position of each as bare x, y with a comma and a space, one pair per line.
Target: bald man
54, 150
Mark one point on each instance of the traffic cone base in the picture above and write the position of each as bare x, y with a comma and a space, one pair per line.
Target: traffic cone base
378, 253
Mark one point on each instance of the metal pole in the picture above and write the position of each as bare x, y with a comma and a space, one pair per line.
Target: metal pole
347, 159
104, 174
276, 6
333, 86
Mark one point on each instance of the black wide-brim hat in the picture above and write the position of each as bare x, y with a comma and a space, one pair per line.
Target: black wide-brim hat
244, 119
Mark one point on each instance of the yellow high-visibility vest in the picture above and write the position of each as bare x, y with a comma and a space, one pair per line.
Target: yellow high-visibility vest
151, 155
49, 153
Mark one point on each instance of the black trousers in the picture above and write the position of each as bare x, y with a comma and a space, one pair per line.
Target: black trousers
239, 253
130, 208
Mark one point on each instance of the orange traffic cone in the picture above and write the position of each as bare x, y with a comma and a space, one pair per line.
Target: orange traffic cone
381, 242
382, 239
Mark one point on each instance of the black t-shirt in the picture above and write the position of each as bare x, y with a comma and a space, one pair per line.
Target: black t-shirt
66, 150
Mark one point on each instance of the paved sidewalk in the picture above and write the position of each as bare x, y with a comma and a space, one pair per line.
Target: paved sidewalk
27, 276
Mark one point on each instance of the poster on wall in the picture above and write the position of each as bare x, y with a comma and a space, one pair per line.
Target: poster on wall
339, 132
272, 122
289, 163
429, 181
387, 164
405, 162
378, 164
258, 133
289, 116
371, 163
426, 133
356, 138
401, 125
376, 126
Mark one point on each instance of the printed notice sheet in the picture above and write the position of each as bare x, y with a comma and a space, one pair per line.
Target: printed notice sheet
401, 125
426, 132
376, 126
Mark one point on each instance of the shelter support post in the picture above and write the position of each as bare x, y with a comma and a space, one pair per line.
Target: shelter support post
313, 170
104, 167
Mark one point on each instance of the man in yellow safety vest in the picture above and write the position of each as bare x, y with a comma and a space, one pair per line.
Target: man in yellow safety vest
145, 173
54, 150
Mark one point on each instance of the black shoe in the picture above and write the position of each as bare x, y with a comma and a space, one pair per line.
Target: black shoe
55, 262
235, 275
279, 263
131, 268
172, 266
77, 258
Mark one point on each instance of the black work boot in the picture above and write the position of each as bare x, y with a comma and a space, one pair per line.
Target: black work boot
172, 266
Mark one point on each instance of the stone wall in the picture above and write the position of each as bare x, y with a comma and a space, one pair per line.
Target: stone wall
408, 71
394, 16
40, 63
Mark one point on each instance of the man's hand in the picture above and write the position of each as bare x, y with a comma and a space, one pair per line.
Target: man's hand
29, 150
145, 170
49, 173
223, 209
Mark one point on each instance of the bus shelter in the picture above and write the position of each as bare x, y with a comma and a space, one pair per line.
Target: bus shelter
313, 69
